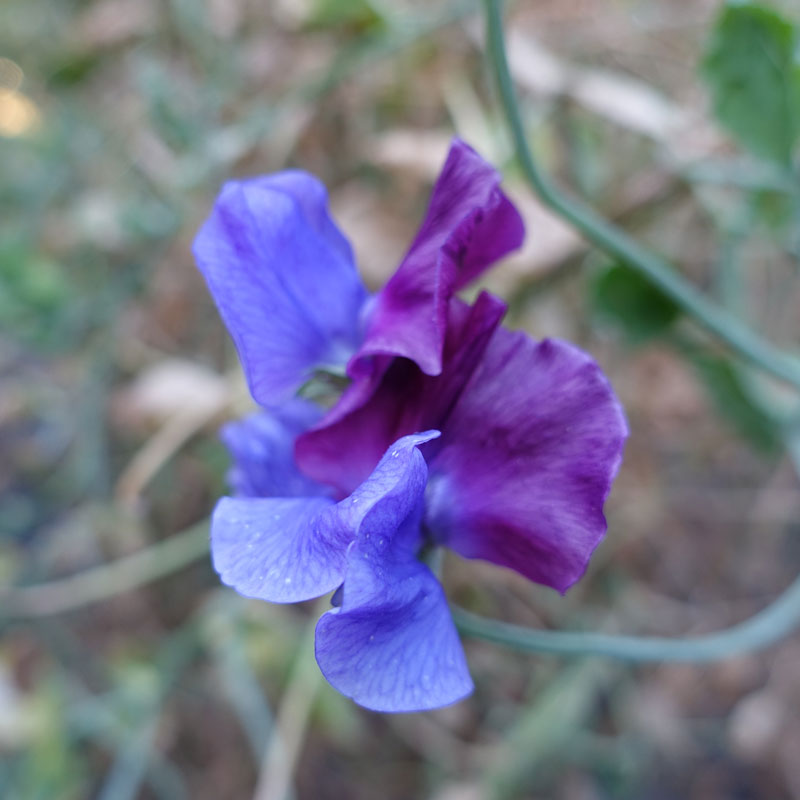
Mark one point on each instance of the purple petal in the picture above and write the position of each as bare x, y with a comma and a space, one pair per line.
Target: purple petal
279, 550
262, 448
391, 645
283, 278
526, 460
469, 224
397, 649
347, 444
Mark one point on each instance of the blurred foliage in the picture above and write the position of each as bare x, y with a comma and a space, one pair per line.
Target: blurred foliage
32, 288
362, 15
621, 295
735, 402
118, 121
752, 66
643, 314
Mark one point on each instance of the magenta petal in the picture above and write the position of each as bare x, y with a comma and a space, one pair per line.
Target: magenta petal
344, 448
469, 224
526, 460
283, 278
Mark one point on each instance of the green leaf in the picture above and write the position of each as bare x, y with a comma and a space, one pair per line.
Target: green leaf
733, 401
752, 68
625, 298
71, 69
361, 15
773, 209
34, 294
540, 739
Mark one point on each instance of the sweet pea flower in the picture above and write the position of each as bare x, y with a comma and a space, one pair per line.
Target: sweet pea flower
389, 643
285, 281
453, 431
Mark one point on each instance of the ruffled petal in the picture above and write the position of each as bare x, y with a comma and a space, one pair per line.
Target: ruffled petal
283, 278
396, 649
288, 550
391, 644
262, 448
526, 460
469, 224
279, 550
387, 507
344, 448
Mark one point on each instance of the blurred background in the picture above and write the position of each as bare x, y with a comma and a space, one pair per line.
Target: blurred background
119, 119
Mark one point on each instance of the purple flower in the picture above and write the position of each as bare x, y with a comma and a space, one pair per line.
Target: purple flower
532, 438
284, 279
453, 431
390, 644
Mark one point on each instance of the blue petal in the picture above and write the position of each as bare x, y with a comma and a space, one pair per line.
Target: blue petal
262, 448
393, 650
392, 645
288, 550
279, 550
392, 495
283, 278
312, 197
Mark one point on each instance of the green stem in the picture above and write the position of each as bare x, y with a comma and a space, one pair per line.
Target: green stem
765, 628
107, 580
741, 339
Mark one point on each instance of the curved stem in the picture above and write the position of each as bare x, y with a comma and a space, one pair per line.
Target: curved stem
283, 749
768, 626
725, 326
107, 580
